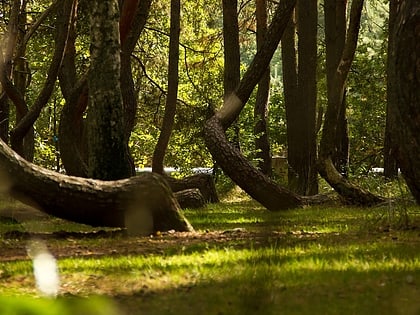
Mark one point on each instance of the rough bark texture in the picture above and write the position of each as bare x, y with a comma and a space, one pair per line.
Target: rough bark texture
107, 154
262, 144
172, 97
406, 113
350, 193
143, 204
236, 166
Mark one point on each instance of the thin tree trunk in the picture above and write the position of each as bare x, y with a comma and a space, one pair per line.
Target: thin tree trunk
390, 149
171, 99
349, 192
262, 144
289, 63
26, 123
232, 56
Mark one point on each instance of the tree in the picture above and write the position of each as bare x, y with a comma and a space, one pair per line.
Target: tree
405, 114
233, 163
232, 56
348, 191
262, 144
106, 146
172, 96
335, 38
390, 162
300, 98
144, 204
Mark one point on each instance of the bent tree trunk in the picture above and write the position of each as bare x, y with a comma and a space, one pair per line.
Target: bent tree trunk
350, 193
144, 204
233, 163
406, 112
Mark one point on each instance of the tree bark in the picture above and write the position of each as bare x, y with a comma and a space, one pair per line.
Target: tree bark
406, 114
262, 144
144, 203
172, 96
107, 153
232, 57
390, 148
233, 163
350, 193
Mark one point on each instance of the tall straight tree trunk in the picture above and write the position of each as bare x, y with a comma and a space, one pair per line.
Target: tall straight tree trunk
108, 158
299, 78
232, 56
307, 20
349, 192
335, 36
171, 99
262, 144
289, 64
390, 149
406, 112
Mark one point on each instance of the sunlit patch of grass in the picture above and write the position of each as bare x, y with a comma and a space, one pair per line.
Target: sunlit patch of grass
314, 260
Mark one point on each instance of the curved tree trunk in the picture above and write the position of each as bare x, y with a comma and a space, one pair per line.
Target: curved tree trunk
26, 123
233, 163
406, 114
144, 203
349, 192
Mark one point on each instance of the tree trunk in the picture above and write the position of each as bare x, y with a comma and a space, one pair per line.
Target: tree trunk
203, 182
349, 192
172, 97
232, 57
406, 113
390, 148
306, 145
107, 153
299, 78
26, 123
144, 203
4, 117
335, 37
289, 64
262, 144
233, 163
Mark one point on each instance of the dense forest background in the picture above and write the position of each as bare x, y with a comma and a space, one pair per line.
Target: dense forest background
201, 82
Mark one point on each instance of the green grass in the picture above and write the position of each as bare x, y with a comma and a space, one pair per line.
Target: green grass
315, 260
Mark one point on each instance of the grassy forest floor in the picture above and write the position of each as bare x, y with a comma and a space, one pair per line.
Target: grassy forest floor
241, 259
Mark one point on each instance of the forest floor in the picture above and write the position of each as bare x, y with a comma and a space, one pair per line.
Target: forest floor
241, 259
